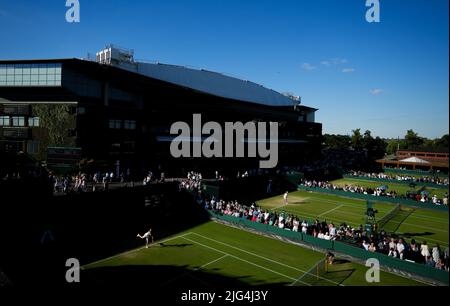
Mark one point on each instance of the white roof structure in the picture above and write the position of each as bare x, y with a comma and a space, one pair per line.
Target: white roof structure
414, 160
199, 79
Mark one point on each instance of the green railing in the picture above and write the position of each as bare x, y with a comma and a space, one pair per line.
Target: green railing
395, 263
381, 180
369, 197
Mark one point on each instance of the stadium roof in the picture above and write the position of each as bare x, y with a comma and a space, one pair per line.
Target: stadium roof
211, 82
414, 160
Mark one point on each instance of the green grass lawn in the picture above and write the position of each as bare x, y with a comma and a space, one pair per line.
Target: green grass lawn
421, 224
398, 187
215, 255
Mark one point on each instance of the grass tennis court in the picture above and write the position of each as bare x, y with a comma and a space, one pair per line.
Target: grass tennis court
215, 255
400, 188
421, 224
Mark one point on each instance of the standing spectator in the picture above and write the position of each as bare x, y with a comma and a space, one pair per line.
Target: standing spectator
436, 253
400, 248
392, 244
424, 251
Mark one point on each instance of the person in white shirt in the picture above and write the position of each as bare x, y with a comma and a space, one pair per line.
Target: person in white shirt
332, 231
320, 235
436, 253
424, 251
400, 248
365, 245
285, 198
295, 225
147, 237
392, 253
434, 199
304, 228
327, 236
392, 244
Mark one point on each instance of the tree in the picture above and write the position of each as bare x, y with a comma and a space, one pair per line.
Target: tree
337, 142
357, 139
442, 142
413, 141
368, 141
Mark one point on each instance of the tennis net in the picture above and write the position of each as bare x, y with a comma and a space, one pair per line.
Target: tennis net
389, 216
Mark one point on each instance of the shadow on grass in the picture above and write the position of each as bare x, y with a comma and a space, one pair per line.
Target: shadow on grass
412, 235
165, 277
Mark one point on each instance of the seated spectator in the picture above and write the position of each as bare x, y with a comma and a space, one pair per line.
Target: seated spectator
429, 261
440, 264
392, 252
365, 245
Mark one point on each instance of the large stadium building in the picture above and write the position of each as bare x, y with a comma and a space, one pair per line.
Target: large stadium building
116, 112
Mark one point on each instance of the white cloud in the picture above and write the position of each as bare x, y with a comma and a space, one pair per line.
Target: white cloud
337, 61
376, 91
308, 66
325, 63
347, 70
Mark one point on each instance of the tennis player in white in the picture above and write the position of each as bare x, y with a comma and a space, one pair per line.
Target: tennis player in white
146, 236
285, 198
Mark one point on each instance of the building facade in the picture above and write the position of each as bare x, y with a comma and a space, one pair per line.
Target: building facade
115, 112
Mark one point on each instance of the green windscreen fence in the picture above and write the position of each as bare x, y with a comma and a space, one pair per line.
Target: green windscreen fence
210, 190
338, 246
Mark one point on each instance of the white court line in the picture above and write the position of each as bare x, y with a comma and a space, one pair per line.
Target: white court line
249, 262
259, 256
132, 251
328, 211
359, 215
443, 220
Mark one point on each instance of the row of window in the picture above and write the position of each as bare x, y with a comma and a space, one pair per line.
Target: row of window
10, 69
18, 121
30, 75
125, 124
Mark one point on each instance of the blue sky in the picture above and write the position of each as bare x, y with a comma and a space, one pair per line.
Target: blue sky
386, 77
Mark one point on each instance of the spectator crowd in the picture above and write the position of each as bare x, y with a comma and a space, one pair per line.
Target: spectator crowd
379, 191
398, 177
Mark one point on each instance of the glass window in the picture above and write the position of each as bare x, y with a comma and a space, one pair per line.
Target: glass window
33, 121
129, 124
33, 147
4, 120
115, 124
18, 121
39, 74
10, 69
